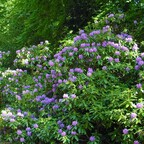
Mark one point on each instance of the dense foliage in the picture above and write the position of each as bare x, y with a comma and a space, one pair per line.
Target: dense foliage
90, 91
24, 23
84, 88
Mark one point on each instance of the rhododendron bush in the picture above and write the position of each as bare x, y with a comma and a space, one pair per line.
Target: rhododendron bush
88, 92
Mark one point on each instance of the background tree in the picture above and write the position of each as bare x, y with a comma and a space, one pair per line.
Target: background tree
24, 23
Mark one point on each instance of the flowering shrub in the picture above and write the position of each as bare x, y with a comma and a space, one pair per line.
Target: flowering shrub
3, 56
33, 58
89, 92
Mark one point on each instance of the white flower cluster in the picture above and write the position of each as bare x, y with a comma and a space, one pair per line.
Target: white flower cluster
7, 115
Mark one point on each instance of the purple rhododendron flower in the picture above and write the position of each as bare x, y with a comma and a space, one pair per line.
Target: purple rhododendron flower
71, 70
89, 74
61, 125
93, 44
140, 63
59, 122
81, 31
55, 107
98, 57
29, 133
137, 67
20, 114
116, 60
90, 70
73, 132
111, 15
75, 49
106, 28
139, 105
77, 38
65, 96
83, 45
129, 39
117, 53
79, 70
18, 51
92, 138
138, 59
65, 81
72, 78
71, 54
133, 115
73, 96
63, 134
104, 68
25, 113
60, 131
74, 123
19, 132
90, 50
12, 120
80, 86
110, 59
94, 49
127, 68
135, 47
125, 131
123, 48
80, 56
69, 127
104, 44
28, 129
22, 139
139, 85
142, 54
136, 142
18, 97
84, 36
35, 125
135, 22
51, 63
60, 81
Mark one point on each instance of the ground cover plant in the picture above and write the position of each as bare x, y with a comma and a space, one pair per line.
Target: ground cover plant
89, 92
